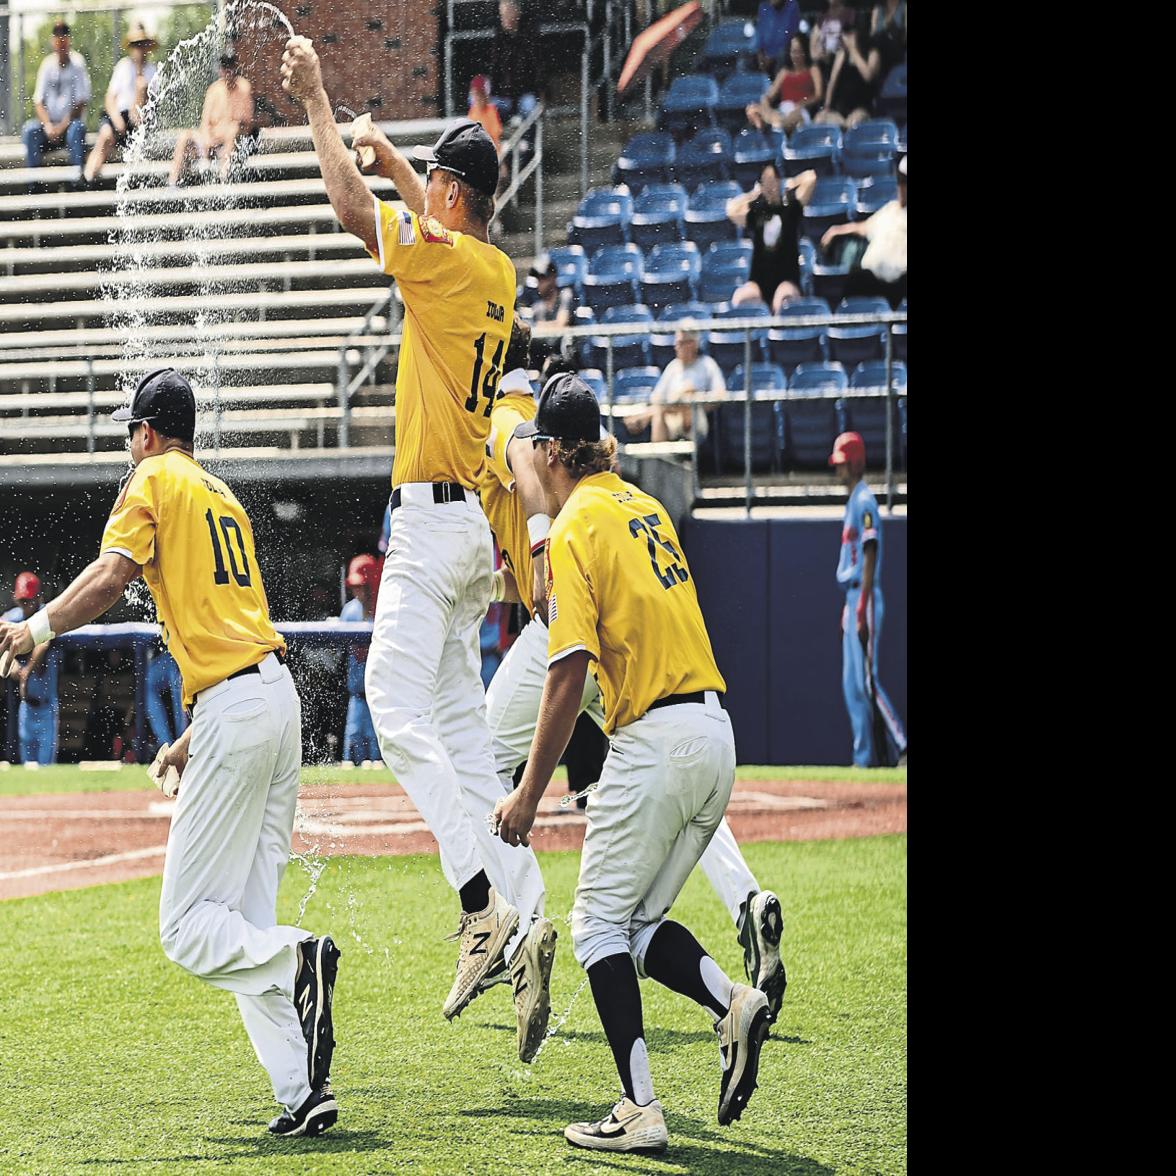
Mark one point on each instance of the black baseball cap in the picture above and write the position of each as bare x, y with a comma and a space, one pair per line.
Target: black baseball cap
567, 412
61, 28
164, 398
466, 150
544, 266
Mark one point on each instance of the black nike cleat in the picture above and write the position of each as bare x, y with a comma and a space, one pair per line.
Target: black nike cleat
627, 1128
314, 990
759, 934
312, 1118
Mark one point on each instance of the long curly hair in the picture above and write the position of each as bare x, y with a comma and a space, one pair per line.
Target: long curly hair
581, 458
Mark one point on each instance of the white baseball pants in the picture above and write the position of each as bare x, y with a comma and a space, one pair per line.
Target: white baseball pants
665, 786
226, 853
512, 704
425, 693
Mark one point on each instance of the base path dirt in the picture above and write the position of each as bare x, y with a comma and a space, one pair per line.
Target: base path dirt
62, 842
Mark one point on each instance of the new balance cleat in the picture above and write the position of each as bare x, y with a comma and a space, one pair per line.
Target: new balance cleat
627, 1128
484, 937
759, 933
312, 1118
741, 1036
317, 964
530, 973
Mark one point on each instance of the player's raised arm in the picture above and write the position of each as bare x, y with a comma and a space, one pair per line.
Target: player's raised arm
390, 163
302, 78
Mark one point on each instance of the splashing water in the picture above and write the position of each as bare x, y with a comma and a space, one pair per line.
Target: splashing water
553, 1030
313, 865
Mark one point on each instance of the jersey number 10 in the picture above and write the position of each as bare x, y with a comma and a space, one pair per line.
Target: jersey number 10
221, 575
488, 386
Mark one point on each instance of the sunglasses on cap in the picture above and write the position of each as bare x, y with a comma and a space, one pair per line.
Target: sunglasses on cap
430, 168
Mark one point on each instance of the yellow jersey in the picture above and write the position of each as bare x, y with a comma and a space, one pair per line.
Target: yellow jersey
192, 538
459, 296
619, 588
503, 508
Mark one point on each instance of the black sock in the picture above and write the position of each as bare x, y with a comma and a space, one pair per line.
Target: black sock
618, 1001
475, 894
675, 958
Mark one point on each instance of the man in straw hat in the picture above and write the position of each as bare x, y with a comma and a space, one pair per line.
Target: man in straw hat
125, 98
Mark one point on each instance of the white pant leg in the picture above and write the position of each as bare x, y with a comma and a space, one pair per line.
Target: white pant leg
722, 863
460, 714
430, 550
270, 1019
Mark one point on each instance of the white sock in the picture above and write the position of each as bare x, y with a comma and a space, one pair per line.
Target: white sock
717, 983
639, 1073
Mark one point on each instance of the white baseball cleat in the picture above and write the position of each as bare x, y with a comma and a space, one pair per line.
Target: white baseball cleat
741, 1036
759, 933
627, 1128
530, 976
484, 937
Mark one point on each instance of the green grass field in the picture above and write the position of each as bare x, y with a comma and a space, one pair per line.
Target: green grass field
116, 1060
16, 780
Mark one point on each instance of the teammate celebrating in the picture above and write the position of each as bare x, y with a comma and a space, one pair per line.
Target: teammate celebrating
188, 536
620, 596
424, 688
520, 517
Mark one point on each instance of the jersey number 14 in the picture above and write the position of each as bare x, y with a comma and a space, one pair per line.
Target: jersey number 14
488, 386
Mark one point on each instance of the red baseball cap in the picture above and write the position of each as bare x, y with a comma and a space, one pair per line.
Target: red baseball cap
480, 84
849, 447
360, 570
28, 586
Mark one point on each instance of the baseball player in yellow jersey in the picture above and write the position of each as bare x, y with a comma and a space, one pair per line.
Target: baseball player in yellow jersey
519, 514
621, 600
185, 532
424, 689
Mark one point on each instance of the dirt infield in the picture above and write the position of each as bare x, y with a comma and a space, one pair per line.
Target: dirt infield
64, 841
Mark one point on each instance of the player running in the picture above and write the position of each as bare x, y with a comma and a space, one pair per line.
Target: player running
182, 529
620, 596
424, 689
520, 517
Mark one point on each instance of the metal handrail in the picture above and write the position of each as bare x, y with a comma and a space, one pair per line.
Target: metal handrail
513, 149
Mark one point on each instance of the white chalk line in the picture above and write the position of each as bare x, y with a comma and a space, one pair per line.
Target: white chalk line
110, 859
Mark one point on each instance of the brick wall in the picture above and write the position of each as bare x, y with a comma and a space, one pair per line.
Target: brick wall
377, 55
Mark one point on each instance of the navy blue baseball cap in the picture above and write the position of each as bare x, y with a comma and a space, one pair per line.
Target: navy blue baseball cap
166, 400
466, 150
568, 411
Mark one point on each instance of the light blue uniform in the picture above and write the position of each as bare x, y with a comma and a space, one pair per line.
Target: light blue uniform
359, 736
862, 525
163, 674
36, 722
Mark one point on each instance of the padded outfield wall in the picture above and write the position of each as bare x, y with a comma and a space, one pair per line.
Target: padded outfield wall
773, 608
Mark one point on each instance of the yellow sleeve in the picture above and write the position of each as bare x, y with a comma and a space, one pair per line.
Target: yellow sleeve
409, 246
572, 611
130, 530
505, 418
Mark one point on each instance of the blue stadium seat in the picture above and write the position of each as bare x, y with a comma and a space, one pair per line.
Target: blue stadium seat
689, 104
602, 219
646, 158
727, 46
851, 345
571, 263
811, 416
706, 157
738, 92
635, 383
706, 215
628, 350
892, 96
582, 316
832, 203
750, 151
765, 377
767, 433
594, 378
829, 282
873, 193
729, 348
725, 267
816, 147
614, 278
661, 338
791, 346
866, 413
672, 274
875, 130
658, 218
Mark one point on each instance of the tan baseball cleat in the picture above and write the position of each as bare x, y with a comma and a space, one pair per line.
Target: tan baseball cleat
530, 978
627, 1128
484, 937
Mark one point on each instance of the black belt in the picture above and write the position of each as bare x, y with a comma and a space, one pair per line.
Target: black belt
675, 699
256, 669
442, 492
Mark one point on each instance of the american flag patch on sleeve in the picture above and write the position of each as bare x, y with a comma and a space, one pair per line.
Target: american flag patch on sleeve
407, 232
552, 609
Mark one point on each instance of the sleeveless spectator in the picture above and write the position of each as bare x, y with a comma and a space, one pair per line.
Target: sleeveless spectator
798, 89
825, 38
125, 98
853, 84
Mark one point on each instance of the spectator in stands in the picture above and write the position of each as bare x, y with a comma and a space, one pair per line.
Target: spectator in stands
547, 303
125, 98
227, 116
772, 214
825, 38
514, 64
775, 25
884, 263
669, 416
483, 111
36, 680
853, 82
59, 98
164, 675
359, 736
797, 91
890, 15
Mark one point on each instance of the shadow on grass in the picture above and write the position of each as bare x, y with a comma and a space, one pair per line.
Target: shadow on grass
231, 1147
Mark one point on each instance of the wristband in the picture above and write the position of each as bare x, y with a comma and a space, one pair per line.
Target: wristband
537, 527
539, 548
498, 589
39, 628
